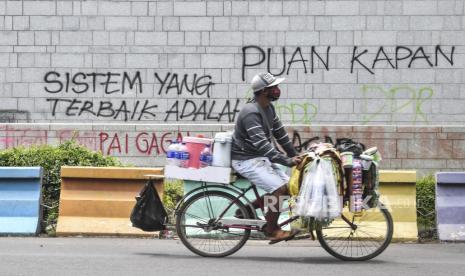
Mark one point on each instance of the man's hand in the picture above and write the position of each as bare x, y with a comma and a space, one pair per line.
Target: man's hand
296, 160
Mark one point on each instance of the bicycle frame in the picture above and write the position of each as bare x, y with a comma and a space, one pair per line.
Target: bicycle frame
204, 187
241, 192
222, 226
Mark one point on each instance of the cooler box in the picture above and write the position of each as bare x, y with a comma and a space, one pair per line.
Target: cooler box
222, 149
195, 145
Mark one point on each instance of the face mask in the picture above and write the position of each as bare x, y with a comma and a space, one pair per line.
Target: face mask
274, 93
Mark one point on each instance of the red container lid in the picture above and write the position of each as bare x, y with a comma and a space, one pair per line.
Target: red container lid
197, 140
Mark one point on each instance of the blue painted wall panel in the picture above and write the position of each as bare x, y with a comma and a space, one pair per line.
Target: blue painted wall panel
451, 215
19, 225
450, 205
450, 191
20, 172
19, 189
20, 199
19, 208
451, 177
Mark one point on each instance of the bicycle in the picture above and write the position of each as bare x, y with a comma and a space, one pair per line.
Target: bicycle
207, 225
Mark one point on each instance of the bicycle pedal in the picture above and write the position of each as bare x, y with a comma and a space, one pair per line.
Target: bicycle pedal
302, 237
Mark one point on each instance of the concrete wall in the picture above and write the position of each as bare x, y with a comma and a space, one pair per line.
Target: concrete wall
423, 149
354, 62
155, 43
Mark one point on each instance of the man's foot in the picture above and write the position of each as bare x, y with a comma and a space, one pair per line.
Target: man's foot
281, 235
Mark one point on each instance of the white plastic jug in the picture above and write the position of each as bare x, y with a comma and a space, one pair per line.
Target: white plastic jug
222, 149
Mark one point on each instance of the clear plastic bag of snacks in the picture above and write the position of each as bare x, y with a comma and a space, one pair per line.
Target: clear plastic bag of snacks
318, 196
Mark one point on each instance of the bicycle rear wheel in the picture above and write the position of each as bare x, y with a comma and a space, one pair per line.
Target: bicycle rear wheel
372, 234
196, 228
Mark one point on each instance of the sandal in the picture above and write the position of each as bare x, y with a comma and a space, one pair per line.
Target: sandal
290, 235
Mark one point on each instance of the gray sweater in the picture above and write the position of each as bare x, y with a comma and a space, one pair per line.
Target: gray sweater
252, 137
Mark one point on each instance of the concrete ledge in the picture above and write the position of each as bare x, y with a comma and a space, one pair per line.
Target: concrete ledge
98, 201
99, 226
392, 176
21, 172
398, 193
444, 178
450, 205
108, 172
20, 199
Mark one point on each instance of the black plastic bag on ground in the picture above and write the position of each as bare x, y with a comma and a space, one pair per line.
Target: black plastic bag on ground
149, 214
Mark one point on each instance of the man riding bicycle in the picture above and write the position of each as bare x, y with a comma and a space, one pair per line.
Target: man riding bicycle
254, 152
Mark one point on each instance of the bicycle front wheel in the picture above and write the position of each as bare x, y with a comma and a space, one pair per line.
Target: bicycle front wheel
196, 227
368, 236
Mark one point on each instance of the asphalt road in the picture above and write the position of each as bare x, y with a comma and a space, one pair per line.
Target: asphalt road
126, 256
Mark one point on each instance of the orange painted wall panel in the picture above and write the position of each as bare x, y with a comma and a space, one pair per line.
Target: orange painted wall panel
98, 201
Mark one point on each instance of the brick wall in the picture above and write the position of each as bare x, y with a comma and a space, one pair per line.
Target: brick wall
425, 149
346, 62
206, 39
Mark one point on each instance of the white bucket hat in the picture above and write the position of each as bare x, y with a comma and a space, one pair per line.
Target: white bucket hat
263, 80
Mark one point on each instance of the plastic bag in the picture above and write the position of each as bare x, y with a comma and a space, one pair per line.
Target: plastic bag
318, 196
149, 214
294, 183
371, 186
346, 144
295, 180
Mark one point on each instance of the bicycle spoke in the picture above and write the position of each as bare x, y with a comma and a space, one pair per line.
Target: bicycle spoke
208, 238
340, 227
372, 233
197, 217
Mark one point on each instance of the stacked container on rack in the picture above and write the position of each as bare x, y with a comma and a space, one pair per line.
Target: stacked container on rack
183, 156
356, 197
206, 157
